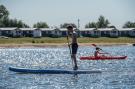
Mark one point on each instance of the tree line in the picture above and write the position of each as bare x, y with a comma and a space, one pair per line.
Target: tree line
5, 21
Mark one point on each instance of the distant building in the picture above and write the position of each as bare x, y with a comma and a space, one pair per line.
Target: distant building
17, 32
46, 32
90, 32
27, 32
62, 32
127, 32
56, 33
7, 32
96, 33
132, 33
86, 32
109, 32
37, 33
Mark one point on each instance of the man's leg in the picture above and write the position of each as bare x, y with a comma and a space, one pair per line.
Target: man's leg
75, 61
74, 51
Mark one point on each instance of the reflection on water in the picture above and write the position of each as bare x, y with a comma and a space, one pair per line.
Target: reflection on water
117, 74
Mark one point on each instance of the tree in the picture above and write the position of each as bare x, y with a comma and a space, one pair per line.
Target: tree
13, 23
101, 23
67, 24
91, 25
19, 24
129, 25
111, 26
6, 22
41, 25
3, 12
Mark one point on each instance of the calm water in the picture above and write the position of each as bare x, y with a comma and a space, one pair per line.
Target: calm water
117, 74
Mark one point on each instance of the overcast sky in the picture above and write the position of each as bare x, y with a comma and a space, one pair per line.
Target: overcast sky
56, 12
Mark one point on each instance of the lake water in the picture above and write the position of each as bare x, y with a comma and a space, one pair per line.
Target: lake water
116, 74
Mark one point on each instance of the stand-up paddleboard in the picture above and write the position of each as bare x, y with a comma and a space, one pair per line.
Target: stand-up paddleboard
36, 71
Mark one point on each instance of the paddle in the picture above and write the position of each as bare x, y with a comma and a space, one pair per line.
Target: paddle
100, 49
69, 49
96, 46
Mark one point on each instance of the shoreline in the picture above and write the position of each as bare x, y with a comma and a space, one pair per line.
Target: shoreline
58, 44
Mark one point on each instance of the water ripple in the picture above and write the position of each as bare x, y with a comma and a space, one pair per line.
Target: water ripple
117, 74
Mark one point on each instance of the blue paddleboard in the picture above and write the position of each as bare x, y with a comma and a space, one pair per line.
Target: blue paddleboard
52, 71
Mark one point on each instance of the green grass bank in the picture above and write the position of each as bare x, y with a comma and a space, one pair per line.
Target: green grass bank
64, 40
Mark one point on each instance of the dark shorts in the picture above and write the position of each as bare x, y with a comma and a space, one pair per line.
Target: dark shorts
74, 48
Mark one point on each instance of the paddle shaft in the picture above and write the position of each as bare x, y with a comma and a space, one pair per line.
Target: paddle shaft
69, 49
68, 45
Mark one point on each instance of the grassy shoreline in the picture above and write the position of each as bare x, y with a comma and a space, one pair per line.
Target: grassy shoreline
43, 40
46, 41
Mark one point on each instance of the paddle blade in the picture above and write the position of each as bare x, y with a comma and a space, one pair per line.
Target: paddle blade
94, 45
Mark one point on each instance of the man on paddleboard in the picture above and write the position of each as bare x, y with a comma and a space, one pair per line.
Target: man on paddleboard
74, 45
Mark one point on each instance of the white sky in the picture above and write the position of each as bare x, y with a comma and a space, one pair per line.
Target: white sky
56, 12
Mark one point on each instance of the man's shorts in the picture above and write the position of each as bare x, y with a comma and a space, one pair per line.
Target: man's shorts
74, 48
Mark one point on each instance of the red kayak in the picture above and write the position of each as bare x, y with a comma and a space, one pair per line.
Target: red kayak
103, 58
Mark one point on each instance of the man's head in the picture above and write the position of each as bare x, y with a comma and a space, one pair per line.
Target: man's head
70, 28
